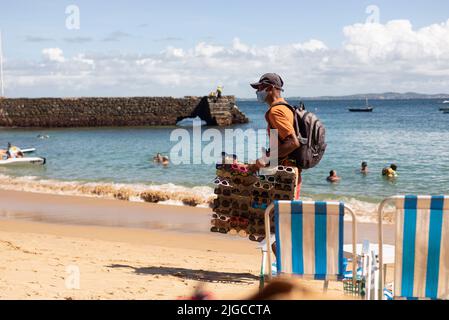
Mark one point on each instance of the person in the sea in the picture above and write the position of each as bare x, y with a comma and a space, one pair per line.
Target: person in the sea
364, 167
280, 118
165, 161
390, 172
333, 177
159, 158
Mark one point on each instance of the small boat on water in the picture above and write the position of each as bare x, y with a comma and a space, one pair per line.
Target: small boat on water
444, 109
367, 108
25, 150
28, 150
23, 161
447, 101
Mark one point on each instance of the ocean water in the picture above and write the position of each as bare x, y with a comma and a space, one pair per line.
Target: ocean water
410, 133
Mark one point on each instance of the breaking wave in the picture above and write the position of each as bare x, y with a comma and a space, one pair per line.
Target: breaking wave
170, 194
167, 193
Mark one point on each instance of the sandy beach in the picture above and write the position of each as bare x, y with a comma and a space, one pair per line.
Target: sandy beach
122, 250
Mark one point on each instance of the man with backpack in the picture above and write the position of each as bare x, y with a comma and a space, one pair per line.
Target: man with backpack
301, 134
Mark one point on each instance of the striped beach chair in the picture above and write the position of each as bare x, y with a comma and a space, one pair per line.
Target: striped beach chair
421, 267
309, 239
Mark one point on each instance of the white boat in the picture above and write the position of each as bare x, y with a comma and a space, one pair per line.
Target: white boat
23, 161
447, 101
28, 150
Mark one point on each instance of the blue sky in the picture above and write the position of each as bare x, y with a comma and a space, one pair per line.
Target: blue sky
147, 28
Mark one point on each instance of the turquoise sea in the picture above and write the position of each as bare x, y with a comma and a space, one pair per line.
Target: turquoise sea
414, 134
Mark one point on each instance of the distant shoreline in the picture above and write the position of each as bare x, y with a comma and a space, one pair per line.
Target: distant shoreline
370, 96
361, 96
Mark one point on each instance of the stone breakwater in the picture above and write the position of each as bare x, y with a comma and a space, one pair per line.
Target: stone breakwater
133, 111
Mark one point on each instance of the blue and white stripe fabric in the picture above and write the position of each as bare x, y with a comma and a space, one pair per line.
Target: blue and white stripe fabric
422, 247
309, 239
388, 294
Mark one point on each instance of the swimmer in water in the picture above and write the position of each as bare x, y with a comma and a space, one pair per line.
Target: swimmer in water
364, 168
390, 172
159, 158
333, 177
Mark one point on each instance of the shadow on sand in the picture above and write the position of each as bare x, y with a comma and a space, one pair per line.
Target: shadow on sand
199, 275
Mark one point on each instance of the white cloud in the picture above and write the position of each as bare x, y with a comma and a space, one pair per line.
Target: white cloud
53, 54
397, 40
373, 57
174, 52
81, 58
237, 45
206, 50
311, 45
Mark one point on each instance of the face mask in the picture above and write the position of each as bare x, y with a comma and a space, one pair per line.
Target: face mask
262, 96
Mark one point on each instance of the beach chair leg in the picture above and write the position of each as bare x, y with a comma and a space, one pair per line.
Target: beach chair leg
326, 285
366, 274
373, 277
376, 281
261, 282
262, 271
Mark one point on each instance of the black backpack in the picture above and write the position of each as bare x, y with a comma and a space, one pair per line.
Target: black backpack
311, 135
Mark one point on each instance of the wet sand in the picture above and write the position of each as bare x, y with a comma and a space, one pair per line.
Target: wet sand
123, 250
78, 210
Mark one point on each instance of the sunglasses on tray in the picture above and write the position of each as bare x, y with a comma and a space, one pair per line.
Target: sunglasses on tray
219, 217
222, 202
222, 182
278, 196
286, 169
256, 238
243, 193
256, 205
281, 179
225, 192
239, 168
267, 178
265, 186
284, 187
220, 230
239, 222
241, 232
263, 194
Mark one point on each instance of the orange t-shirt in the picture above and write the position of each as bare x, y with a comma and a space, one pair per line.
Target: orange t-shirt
281, 118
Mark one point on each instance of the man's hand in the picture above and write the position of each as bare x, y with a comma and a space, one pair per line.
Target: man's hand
260, 163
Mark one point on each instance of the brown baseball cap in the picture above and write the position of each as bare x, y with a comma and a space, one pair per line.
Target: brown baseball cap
271, 79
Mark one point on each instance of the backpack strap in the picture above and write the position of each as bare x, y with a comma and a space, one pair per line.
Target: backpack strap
292, 109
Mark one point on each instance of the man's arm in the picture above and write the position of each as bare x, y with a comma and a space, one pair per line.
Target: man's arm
291, 143
280, 118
